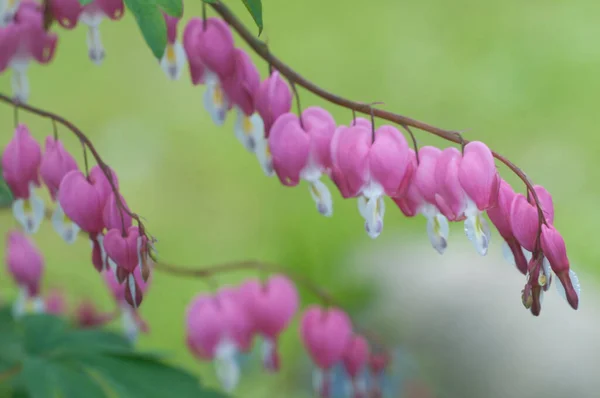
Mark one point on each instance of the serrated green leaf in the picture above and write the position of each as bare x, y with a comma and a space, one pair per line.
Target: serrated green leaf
255, 9
172, 7
151, 23
85, 2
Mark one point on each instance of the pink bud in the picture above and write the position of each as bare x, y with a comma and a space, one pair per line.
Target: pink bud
545, 201
271, 307
81, 202
21, 162
122, 247
300, 147
241, 86
450, 197
325, 335
113, 216
66, 12
55, 303
379, 362
554, 248
356, 355
273, 99
478, 175
24, 261
524, 221
211, 47
56, 163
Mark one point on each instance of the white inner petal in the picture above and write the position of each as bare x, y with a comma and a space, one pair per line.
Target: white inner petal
66, 228
20, 82
226, 366
95, 48
317, 380
20, 304
267, 348
173, 60
29, 212
362, 206
38, 305
215, 102
374, 212
132, 288
322, 197
129, 323
264, 156
478, 232
438, 230
247, 129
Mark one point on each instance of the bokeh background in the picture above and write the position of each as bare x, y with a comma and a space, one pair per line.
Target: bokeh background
522, 76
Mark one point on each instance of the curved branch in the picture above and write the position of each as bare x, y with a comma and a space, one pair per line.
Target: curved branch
261, 49
84, 141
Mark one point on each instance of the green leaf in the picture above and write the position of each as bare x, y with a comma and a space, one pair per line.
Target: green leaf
77, 383
142, 376
172, 7
38, 378
255, 9
152, 24
85, 2
6, 196
41, 332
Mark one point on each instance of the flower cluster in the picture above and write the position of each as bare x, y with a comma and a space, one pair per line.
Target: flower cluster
83, 202
369, 163
222, 326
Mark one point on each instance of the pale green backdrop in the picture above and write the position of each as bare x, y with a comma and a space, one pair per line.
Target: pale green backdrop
523, 76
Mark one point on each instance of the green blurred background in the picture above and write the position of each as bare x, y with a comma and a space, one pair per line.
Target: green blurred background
522, 76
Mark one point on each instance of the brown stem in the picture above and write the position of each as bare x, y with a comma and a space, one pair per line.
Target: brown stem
261, 49
87, 143
207, 272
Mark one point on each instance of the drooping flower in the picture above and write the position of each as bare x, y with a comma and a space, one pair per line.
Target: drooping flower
213, 329
325, 335
56, 163
22, 41
211, 56
554, 248
113, 216
420, 197
480, 181
271, 307
20, 168
301, 150
273, 99
355, 359
173, 60
500, 217
87, 315
69, 12
55, 303
26, 265
132, 323
525, 219
81, 202
240, 88
370, 164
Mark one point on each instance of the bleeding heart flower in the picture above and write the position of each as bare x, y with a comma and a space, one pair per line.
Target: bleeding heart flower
271, 307
26, 265
355, 359
174, 58
420, 197
325, 334
20, 168
301, 150
273, 99
370, 164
